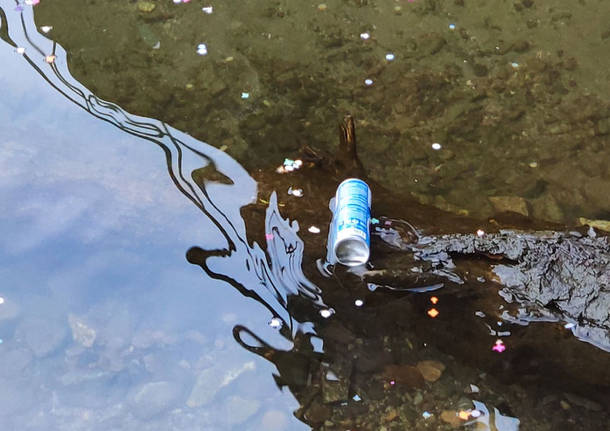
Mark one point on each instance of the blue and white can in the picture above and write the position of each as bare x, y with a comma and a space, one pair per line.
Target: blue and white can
350, 239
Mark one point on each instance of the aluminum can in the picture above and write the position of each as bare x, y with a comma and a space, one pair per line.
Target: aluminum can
349, 238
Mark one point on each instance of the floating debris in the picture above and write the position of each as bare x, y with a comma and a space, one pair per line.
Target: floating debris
479, 314
434, 299
289, 165
356, 398
322, 7
245, 95
427, 415
276, 323
368, 81
207, 9
358, 302
365, 36
451, 26
514, 65
46, 28
314, 229
202, 49
295, 192
436, 146
433, 312
389, 56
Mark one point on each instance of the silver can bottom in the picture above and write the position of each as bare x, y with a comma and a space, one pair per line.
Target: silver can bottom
352, 251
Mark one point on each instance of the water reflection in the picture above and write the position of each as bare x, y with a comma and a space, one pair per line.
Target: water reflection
378, 368
90, 338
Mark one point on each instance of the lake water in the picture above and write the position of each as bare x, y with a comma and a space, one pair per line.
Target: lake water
156, 274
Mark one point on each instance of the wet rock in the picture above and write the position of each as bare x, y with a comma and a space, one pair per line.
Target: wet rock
317, 412
336, 383
451, 417
431, 43
563, 272
404, 374
81, 333
583, 402
153, 398
546, 208
431, 370
515, 204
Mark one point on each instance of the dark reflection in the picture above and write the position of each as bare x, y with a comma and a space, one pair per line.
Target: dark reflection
387, 360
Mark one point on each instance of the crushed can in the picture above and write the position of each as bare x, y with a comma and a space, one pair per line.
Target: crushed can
349, 237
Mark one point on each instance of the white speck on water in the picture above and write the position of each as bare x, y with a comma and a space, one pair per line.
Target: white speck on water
359, 302
514, 65
202, 49
365, 36
436, 146
245, 95
46, 28
426, 415
275, 323
326, 313
368, 81
314, 229
207, 9
451, 26
295, 192
389, 56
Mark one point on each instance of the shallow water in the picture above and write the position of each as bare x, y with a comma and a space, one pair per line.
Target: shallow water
129, 149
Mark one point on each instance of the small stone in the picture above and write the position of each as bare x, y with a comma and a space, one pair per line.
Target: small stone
515, 204
451, 417
431, 370
146, 6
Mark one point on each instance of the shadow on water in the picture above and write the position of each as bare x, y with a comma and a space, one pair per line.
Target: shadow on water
372, 354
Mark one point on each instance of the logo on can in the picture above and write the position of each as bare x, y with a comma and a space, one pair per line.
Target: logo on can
349, 238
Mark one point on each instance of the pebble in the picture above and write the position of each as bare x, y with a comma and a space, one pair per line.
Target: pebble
431, 370
146, 6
